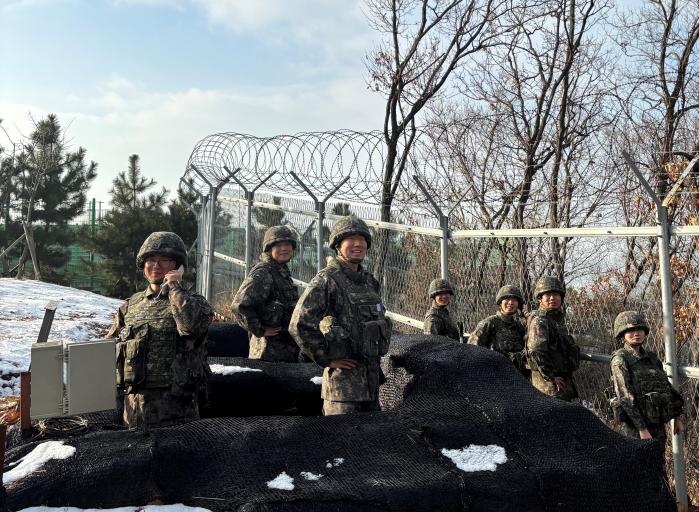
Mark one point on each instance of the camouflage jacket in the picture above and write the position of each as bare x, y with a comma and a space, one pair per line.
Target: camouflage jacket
550, 349
438, 321
266, 299
324, 325
162, 341
500, 332
642, 388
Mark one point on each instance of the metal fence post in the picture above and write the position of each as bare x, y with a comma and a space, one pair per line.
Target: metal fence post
320, 209
250, 198
668, 316
209, 216
444, 226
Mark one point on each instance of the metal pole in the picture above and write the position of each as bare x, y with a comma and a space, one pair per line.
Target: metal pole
249, 197
668, 323
444, 225
212, 239
671, 351
208, 246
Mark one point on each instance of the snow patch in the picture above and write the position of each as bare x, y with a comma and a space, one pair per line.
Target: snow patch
282, 481
334, 463
80, 316
35, 459
311, 476
229, 370
476, 457
179, 507
317, 380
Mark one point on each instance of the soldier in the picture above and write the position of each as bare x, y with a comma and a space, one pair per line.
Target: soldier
552, 353
161, 353
437, 319
266, 299
341, 324
645, 400
504, 331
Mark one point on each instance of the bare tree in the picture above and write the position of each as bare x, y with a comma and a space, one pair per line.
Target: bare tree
425, 41
528, 134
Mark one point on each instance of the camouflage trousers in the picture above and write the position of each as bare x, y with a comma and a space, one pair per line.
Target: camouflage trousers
548, 388
331, 408
159, 408
657, 431
274, 349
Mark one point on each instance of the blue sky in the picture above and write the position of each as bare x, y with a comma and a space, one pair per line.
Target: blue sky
153, 77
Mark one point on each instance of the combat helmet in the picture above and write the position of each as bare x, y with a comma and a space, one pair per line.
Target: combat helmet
277, 234
629, 320
438, 286
348, 226
547, 284
509, 290
163, 243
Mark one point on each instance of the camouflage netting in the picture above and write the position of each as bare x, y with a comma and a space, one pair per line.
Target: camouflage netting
439, 394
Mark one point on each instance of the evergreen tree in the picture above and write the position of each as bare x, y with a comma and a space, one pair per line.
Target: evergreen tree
136, 212
48, 184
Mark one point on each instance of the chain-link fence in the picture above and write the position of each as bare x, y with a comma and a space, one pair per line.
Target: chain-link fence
607, 268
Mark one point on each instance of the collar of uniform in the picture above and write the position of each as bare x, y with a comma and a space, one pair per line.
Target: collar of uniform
553, 313
149, 293
505, 318
356, 277
633, 353
265, 257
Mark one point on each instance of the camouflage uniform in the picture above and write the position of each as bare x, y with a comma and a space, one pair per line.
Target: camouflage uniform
340, 316
266, 299
644, 396
505, 334
161, 350
438, 321
551, 351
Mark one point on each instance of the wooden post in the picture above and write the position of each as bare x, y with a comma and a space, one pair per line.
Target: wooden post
29, 235
25, 401
3, 438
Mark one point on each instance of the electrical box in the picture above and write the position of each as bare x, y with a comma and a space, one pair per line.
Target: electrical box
91, 377
47, 380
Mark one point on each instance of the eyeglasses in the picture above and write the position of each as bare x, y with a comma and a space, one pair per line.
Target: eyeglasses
163, 262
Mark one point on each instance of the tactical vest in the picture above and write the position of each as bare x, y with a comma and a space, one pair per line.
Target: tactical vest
564, 354
276, 312
657, 400
369, 329
509, 336
148, 344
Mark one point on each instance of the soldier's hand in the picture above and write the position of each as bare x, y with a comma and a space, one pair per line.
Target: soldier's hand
172, 277
644, 434
272, 331
679, 426
560, 383
345, 364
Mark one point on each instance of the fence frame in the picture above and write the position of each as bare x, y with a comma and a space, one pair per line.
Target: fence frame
663, 231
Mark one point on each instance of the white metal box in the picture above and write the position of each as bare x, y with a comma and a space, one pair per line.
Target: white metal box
47, 380
91, 377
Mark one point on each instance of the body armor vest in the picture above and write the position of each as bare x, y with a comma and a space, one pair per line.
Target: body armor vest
564, 354
369, 329
150, 335
278, 309
658, 401
509, 335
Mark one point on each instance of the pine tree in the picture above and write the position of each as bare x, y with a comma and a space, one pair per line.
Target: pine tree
48, 184
136, 213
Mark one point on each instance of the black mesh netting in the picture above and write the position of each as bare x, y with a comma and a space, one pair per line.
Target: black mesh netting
227, 340
438, 395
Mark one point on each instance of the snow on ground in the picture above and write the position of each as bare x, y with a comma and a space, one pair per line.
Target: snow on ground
317, 380
80, 316
477, 458
35, 459
311, 476
179, 507
229, 370
282, 481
